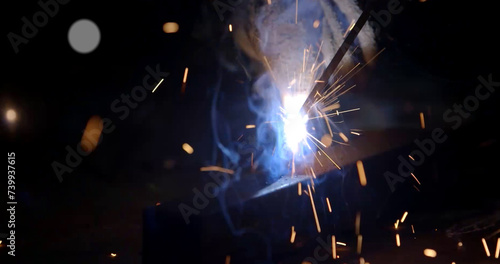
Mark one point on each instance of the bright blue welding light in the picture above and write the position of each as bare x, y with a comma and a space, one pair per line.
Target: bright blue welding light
295, 122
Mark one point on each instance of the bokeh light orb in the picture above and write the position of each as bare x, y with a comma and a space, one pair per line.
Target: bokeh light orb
170, 27
11, 115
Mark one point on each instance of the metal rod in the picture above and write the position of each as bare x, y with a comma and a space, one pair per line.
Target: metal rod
337, 58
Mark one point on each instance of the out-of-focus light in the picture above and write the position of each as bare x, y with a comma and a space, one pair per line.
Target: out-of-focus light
431, 253
360, 242
157, 204
228, 259
357, 223
84, 36
398, 241
316, 23
113, 255
186, 147
11, 115
250, 126
169, 164
230, 28
170, 27
0, 242
91, 134
343, 136
460, 244
497, 251
326, 139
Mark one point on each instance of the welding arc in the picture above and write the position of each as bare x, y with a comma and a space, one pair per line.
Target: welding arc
337, 58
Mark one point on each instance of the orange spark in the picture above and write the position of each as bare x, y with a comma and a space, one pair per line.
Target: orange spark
361, 172
431, 253
314, 209
334, 248
497, 251
414, 177
329, 206
186, 147
312, 171
343, 137
316, 23
185, 75
422, 120
486, 249
170, 27
404, 217
217, 168
92, 134
184, 80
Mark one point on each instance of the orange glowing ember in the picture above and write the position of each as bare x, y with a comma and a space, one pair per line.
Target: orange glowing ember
361, 173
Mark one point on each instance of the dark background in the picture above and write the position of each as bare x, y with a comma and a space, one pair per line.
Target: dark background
435, 50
